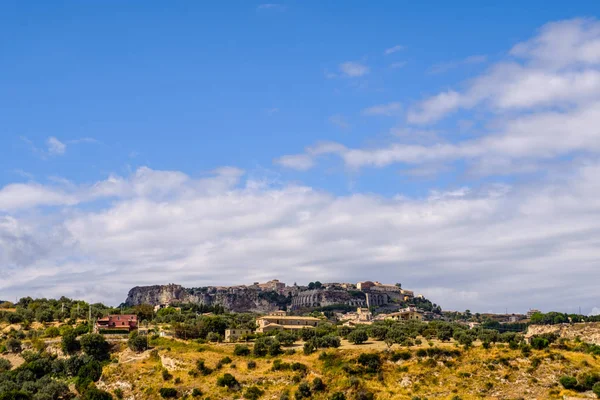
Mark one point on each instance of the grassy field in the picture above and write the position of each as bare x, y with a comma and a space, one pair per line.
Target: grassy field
476, 373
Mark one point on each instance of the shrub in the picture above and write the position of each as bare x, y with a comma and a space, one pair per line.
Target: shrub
596, 389
94, 393
168, 393
568, 382
241, 350
13, 345
309, 347
118, 393
338, 396
196, 392
95, 346
401, 355
5, 365
364, 395
52, 332
299, 367
225, 360
204, 370
251, 364
303, 391
318, 385
358, 336
136, 342
539, 343
69, 342
228, 381
253, 393
371, 361
166, 375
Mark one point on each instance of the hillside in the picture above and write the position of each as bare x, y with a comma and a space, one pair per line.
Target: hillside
411, 369
586, 332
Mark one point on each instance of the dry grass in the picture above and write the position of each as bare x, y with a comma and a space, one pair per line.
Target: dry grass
497, 373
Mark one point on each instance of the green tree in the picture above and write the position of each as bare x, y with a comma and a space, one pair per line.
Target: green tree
137, 342
95, 346
69, 342
358, 336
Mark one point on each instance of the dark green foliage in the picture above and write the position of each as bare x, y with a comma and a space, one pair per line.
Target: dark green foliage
371, 362
69, 342
310, 347
91, 370
13, 345
241, 350
166, 375
251, 364
253, 393
299, 367
196, 392
596, 389
225, 360
318, 385
118, 393
137, 342
364, 395
358, 336
539, 343
568, 382
204, 370
168, 393
338, 396
95, 346
228, 381
266, 345
303, 391
401, 355
5, 365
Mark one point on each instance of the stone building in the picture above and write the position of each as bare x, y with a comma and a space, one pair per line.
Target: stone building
233, 335
406, 314
271, 323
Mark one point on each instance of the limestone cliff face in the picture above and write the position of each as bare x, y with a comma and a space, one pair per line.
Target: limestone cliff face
586, 331
236, 300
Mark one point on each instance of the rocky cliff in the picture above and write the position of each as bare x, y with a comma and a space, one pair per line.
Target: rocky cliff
588, 332
232, 299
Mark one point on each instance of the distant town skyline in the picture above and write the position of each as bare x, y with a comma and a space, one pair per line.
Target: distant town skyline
451, 147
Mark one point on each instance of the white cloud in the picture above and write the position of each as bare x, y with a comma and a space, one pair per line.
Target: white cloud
301, 162
393, 49
558, 68
388, 110
55, 146
482, 249
351, 69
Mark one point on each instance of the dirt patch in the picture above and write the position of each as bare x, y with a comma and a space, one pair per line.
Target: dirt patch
15, 359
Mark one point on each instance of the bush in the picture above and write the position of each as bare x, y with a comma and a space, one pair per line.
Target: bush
241, 350
5, 365
539, 343
309, 347
95, 346
94, 393
596, 389
69, 342
251, 364
318, 385
371, 362
401, 355
196, 392
358, 336
253, 393
228, 381
338, 396
13, 345
118, 393
568, 382
136, 342
204, 370
303, 391
168, 393
166, 375
364, 395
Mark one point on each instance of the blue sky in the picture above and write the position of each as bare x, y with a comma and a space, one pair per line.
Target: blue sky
364, 114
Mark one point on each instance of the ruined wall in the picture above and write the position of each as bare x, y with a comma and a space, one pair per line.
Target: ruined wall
324, 297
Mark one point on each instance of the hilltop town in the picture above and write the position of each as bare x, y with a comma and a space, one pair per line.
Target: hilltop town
275, 295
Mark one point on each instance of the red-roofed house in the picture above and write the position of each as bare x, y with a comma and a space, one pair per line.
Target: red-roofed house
117, 323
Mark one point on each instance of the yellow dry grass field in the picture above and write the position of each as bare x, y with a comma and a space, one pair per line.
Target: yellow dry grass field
477, 373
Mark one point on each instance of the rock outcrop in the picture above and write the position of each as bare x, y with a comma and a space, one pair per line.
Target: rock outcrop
587, 331
236, 299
